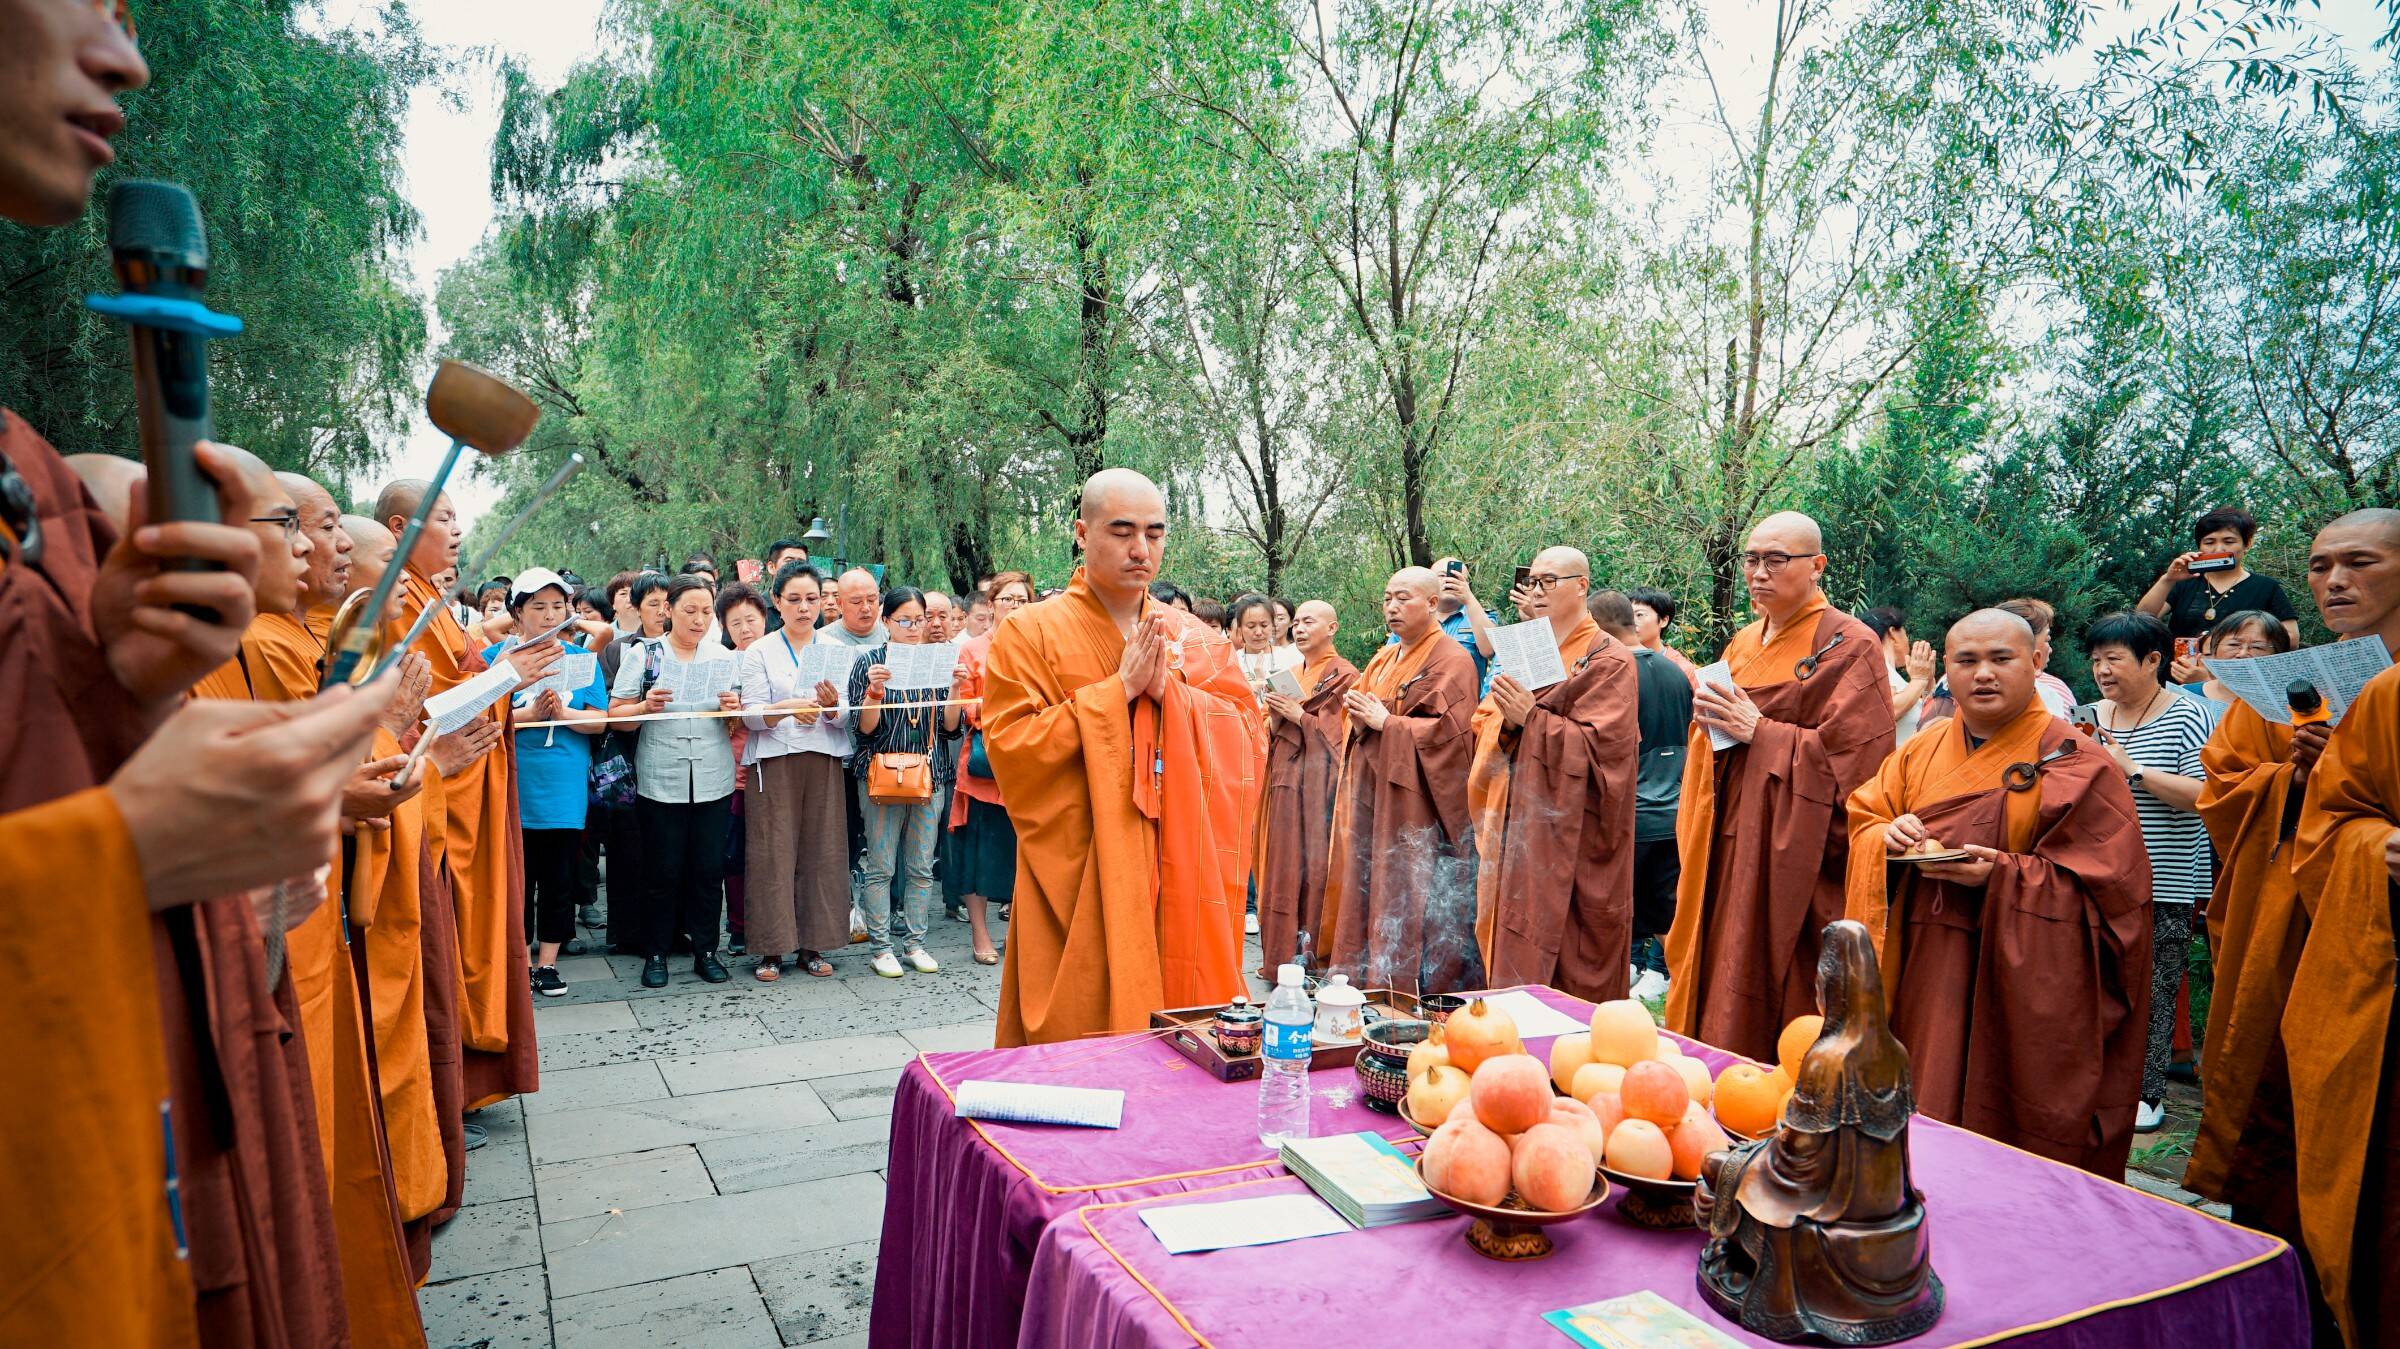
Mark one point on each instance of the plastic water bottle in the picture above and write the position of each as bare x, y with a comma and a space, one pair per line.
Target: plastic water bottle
1284, 1049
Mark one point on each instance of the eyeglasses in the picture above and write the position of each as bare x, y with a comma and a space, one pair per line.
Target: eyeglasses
1542, 583
290, 520
1772, 563
909, 624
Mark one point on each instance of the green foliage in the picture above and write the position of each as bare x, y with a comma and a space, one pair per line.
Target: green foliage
289, 137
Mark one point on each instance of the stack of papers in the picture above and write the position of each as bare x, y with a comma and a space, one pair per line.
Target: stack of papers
1029, 1103
1642, 1320
1719, 673
1185, 1228
1366, 1179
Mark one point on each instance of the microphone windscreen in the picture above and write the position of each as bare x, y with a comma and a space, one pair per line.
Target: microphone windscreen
157, 218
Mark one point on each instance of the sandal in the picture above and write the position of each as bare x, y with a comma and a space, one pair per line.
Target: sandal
817, 965
987, 957
768, 971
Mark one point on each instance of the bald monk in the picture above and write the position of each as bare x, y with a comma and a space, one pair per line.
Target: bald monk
2337, 1035
1555, 840
478, 850
2019, 975
411, 942
1128, 746
1296, 817
1400, 903
1762, 835
112, 479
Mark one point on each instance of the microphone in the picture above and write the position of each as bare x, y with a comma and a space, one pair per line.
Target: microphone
2308, 705
160, 253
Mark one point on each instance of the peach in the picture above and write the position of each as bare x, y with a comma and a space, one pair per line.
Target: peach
1639, 1148
1480, 1031
1596, 1079
1552, 1168
1623, 1033
1594, 1136
1511, 1093
1695, 1078
1609, 1109
1570, 1107
1694, 1138
1792, 1045
1655, 1092
1568, 1053
1434, 1095
1465, 1109
1467, 1161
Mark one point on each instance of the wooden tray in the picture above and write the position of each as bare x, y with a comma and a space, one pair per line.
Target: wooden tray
1194, 1037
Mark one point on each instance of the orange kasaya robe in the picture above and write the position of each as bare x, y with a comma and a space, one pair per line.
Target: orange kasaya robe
1133, 820
281, 660
2024, 1002
2256, 925
1400, 898
1295, 813
1555, 853
89, 1250
1762, 833
479, 853
2337, 1032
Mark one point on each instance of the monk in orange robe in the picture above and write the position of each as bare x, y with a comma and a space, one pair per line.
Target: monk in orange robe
1553, 781
2337, 1033
2019, 974
478, 850
1296, 817
1400, 903
1762, 835
1127, 745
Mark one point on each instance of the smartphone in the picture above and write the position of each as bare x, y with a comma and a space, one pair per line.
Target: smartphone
1520, 580
2086, 719
1453, 567
2208, 562
2187, 648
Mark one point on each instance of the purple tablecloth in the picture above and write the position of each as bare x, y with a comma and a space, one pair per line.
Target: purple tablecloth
999, 1234
967, 1202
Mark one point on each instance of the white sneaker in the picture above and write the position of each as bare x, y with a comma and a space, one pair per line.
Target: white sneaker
1652, 984
922, 962
1250, 923
2148, 1116
885, 964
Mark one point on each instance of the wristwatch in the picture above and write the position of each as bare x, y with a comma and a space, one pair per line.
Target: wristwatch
2134, 778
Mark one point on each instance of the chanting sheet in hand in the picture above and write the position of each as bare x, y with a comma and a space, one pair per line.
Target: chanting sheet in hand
575, 670
1528, 653
826, 661
700, 681
448, 710
1719, 673
1285, 682
2337, 670
923, 666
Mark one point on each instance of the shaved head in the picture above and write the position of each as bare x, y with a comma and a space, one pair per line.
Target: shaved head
1408, 604
1420, 579
436, 548
1792, 531
1114, 491
1562, 560
1991, 655
1561, 580
1996, 624
329, 548
400, 498
1122, 530
1783, 563
259, 498
371, 548
111, 479
2354, 572
858, 599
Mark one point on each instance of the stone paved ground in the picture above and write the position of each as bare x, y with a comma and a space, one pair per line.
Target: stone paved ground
704, 1162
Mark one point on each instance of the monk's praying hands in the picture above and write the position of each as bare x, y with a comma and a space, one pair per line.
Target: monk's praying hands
1513, 699
1725, 707
1366, 709
1143, 668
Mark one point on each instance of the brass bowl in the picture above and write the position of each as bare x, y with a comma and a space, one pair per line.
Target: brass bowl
1665, 1205
1509, 1230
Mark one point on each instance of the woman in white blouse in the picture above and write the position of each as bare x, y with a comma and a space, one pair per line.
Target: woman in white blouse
797, 876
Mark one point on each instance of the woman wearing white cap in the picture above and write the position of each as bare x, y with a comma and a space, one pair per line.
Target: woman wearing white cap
553, 774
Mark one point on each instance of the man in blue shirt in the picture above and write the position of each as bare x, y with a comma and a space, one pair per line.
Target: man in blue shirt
1463, 617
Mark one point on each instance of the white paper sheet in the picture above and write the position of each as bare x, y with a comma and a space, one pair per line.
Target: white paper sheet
575, 670
922, 666
1185, 1228
827, 661
699, 681
2338, 670
1287, 684
1031, 1103
1719, 673
1528, 653
1535, 1018
448, 710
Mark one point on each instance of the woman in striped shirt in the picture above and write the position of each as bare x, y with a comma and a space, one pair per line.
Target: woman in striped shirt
2155, 735
900, 836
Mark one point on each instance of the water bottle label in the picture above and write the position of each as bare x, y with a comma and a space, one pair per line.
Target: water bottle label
1286, 1040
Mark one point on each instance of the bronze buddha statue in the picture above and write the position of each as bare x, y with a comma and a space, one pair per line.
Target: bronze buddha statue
1815, 1230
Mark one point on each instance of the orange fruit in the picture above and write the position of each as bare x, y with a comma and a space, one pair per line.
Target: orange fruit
1749, 1099
1792, 1045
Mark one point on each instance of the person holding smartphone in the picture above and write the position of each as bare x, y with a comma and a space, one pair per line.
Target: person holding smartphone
2197, 589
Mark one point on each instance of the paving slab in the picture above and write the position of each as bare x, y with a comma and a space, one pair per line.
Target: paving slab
879, 1018
646, 1244
505, 1310
859, 1095
784, 1063
820, 1295
790, 1156
580, 1017
640, 1125
590, 1049
501, 1169
719, 1309
606, 1084
745, 997
909, 985
965, 1035
485, 1238
623, 1180
583, 969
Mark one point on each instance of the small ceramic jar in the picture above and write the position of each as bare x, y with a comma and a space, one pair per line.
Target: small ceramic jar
1239, 1026
1341, 1012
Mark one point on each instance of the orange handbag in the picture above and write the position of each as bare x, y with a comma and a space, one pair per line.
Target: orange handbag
900, 779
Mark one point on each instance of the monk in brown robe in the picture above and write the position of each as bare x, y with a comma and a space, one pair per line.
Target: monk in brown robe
478, 850
1400, 902
1762, 835
2019, 974
1296, 822
2337, 1034
1555, 810
1127, 743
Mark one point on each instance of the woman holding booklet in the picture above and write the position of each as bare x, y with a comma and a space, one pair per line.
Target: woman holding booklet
797, 879
683, 782
901, 780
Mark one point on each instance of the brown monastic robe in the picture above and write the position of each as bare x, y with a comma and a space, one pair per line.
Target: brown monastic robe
88, 1254
1133, 819
2337, 1028
1560, 910
479, 853
1297, 820
2256, 925
1762, 833
1400, 901
2025, 1003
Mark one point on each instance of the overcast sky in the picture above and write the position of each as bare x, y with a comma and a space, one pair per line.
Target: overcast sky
448, 155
